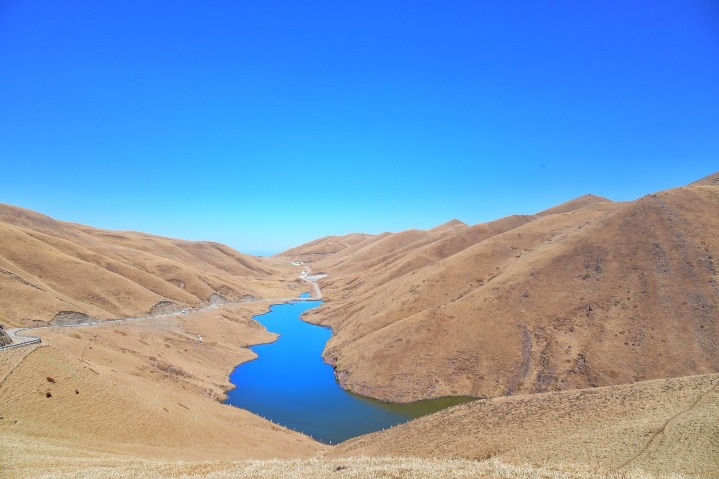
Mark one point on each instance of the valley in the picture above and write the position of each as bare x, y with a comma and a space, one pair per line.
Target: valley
588, 333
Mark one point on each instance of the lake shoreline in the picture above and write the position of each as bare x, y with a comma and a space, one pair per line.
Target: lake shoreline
294, 386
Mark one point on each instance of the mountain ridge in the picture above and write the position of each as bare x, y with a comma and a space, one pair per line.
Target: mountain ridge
587, 293
48, 266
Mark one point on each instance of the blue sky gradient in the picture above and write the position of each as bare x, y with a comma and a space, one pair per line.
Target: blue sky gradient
266, 124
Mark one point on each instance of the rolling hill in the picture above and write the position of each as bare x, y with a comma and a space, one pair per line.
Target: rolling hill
589, 293
589, 330
662, 427
49, 267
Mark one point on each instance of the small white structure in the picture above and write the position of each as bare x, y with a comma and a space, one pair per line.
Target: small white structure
199, 338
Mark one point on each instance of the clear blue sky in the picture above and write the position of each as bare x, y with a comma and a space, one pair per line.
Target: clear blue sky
265, 124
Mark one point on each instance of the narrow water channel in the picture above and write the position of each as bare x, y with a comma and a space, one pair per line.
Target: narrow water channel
291, 385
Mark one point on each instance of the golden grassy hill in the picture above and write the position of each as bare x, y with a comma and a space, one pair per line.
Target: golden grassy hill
138, 400
663, 427
711, 180
135, 391
585, 294
324, 246
138, 390
48, 266
590, 293
574, 205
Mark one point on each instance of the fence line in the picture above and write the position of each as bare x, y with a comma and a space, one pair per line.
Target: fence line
19, 345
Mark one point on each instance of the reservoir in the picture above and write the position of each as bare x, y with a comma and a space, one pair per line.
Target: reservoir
291, 385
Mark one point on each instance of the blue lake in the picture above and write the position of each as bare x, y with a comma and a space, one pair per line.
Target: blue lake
291, 385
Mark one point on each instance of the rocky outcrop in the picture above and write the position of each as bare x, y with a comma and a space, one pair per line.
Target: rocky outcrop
217, 299
64, 318
4, 338
165, 307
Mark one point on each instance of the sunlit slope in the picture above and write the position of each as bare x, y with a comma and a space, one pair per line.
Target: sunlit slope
711, 180
324, 246
574, 205
590, 293
142, 390
47, 266
406, 251
364, 273
661, 426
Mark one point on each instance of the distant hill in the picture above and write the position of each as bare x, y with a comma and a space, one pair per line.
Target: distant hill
324, 246
454, 225
589, 293
574, 205
48, 267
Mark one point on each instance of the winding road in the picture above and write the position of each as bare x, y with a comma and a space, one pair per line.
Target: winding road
20, 339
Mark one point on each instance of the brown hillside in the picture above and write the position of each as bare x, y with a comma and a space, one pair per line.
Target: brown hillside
399, 250
710, 180
324, 246
450, 226
137, 390
664, 427
591, 294
596, 293
141, 389
362, 273
573, 205
48, 266
377, 249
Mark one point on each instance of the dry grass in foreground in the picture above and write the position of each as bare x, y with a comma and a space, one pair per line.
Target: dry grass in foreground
355, 468
118, 394
661, 426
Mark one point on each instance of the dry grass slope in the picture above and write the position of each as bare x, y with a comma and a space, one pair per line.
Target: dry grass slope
579, 304
668, 426
590, 293
144, 391
351, 468
317, 249
48, 266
